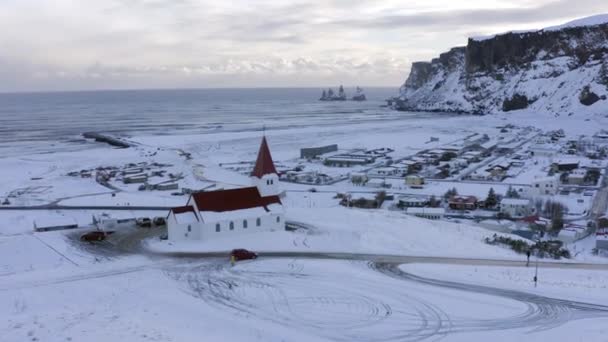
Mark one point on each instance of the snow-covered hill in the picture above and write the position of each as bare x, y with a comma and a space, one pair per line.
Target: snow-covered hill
561, 70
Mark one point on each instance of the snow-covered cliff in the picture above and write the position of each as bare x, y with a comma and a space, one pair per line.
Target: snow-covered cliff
561, 70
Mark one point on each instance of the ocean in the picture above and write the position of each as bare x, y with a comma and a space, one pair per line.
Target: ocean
49, 122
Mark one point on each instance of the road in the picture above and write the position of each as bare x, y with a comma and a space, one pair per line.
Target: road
306, 291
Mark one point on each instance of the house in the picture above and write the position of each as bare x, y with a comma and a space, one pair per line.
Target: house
384, 171
472, 156
515, 207
601, 239
544, 186
498, 171
362, 200
377, 183
462, 202
232, 212
358, 178
427, 213
577, 177
544, 150
414, 181
412, 202
348, 160
565, 165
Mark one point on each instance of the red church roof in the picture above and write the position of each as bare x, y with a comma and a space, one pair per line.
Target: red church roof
264, 164
233, 199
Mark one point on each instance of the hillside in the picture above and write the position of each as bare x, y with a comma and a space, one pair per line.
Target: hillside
561, 70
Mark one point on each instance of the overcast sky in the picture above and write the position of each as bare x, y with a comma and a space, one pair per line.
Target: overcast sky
118, 44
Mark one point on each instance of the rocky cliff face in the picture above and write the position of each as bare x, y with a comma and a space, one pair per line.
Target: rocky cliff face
561, 70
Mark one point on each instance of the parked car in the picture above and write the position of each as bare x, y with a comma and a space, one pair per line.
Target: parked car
144, 222
159, 221
242, 254
96, 235
164, 237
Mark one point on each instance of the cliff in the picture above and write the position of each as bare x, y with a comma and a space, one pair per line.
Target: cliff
561, 70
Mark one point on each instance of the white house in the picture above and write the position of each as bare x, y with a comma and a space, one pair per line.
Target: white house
232, 212
515, 207
544, 186
544, 150
577, 176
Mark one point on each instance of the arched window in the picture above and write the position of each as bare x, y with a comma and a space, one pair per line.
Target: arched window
231, 225
278, 219
217, 227
244, 223
258, 221
189, 228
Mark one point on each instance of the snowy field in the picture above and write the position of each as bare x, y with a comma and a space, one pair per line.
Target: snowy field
55, 288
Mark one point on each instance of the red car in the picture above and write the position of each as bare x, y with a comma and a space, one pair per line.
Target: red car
95, 235
242, 254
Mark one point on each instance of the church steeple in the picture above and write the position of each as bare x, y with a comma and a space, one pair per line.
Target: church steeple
264, 164
264, 175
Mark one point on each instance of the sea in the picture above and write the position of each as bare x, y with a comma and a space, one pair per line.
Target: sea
55, 121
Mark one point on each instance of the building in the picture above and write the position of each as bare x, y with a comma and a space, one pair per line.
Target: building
414, 180
601, 239
348, 160
409, 201
314, 152
138, 178
384, 171
427, 213
358, 178
544, 150
516, 207
232, 212
565, 165
577, 177
544, 186
378, 183
462, 202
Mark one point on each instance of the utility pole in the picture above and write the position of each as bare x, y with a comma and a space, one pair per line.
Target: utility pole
536, 270
536, 273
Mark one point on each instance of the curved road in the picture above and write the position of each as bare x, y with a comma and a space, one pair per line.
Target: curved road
349, 297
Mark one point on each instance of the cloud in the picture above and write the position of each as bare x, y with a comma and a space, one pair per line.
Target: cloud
443, 20
156, 43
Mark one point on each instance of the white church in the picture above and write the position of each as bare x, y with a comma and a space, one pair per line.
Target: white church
235, 211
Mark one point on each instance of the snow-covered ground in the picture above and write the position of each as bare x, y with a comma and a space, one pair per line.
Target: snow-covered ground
55, 288
359, 231
574, 284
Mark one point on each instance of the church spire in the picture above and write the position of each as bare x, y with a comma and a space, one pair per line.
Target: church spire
264, 164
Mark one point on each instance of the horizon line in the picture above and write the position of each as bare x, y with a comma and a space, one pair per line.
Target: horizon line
25, 92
